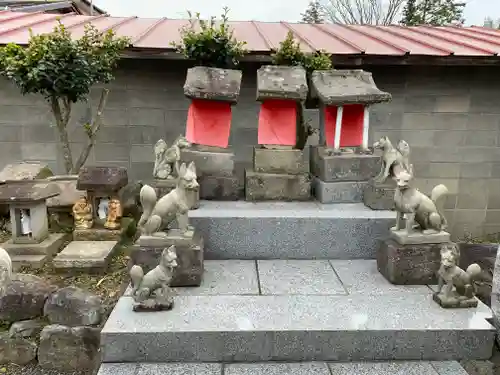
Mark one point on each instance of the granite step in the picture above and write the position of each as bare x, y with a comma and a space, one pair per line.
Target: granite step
304, 368
290, 230
297, 310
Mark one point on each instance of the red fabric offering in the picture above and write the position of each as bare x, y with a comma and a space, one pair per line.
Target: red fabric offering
352, 125
277, 122
209, 123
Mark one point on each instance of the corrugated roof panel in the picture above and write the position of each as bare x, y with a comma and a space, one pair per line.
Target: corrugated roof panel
249, 31
162, 35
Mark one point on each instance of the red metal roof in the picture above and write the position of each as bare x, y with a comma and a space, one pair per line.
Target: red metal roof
261, 37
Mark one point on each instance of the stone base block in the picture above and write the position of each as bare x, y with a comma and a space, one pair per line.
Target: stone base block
415, 264
276, 187
85, 255
451, 303
96, 234
219, 188
338, 192
32, 261
210, 161
48, 247
346, 167
279, 161
417, 237
163, 187
379, 196
147, 251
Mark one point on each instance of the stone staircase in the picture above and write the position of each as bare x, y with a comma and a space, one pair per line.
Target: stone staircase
293, 288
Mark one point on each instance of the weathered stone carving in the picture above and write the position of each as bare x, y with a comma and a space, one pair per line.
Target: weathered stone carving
159, 213
394, 159
114, 214
152, 292
82, 213
456, 287
167, 158
417, 207
5, 270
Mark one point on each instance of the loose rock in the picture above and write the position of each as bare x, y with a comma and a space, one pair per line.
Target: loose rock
73, 306
27, 328
24, 298
16, 350
65, 348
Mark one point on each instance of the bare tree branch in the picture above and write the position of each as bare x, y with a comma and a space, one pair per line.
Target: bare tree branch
363, 12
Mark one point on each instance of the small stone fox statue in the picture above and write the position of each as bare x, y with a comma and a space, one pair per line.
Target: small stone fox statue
418, 207
151, 292
394, 159
159, 213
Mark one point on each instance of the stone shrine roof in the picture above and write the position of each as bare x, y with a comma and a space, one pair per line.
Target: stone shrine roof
102, 178
281, 82
27, 192
340, 87
213, 83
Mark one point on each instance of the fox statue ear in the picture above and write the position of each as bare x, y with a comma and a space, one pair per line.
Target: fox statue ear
191, 167
182, 169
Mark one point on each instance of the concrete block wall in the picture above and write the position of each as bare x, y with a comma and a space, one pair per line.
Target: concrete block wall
449, 115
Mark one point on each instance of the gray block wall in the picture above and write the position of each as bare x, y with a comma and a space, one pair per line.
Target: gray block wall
449, 115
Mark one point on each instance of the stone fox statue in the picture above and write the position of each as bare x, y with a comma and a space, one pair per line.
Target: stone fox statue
417, 206
393, 159
159, 213
167, 158
156, 283
5, 270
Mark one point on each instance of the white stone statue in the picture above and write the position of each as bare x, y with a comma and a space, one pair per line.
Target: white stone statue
167, 158
5, 270
159, 213
25, 222
102, 210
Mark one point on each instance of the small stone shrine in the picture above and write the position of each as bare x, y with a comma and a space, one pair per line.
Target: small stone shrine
412, 253
212, 92
31, 243
165, 223
97, 216
343, 163
166, 169
280, 171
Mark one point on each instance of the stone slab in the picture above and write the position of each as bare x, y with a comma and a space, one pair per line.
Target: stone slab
304, 368
279, 161
275, 187
87, 255
220, 188
25, 172
27, 192
96, 234
415, 238
297, 328
103, 179
311, 277
49, 246
397, 368
190, 256
448, 368
379, 196
409, 264
216, 162
346, 167
290, 230
281, 82
213, 84
338, 192
361, 276
33, 261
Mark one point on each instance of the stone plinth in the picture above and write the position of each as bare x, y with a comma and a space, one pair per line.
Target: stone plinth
379, 196
281, 82
414, 238
189, 272
279, 161
85, 256
411, 264
273, 186
338, 192
96, 234
213, 84
163, 187
341, 87
452, 303
329, 167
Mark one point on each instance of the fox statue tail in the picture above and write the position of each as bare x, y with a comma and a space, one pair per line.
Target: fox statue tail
136, 276
437, 193
474, 270
148, 200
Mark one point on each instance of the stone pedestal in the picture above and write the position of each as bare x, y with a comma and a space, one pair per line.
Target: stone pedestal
454, 303
215, 171
88, 256
96, 234
410, 264
163, 187
277, 174
415, 238
341, 178
379, 196
147, 251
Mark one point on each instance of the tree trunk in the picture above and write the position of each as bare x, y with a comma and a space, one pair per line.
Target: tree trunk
62, 119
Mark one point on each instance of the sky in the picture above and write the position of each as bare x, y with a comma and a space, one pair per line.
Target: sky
260, 10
